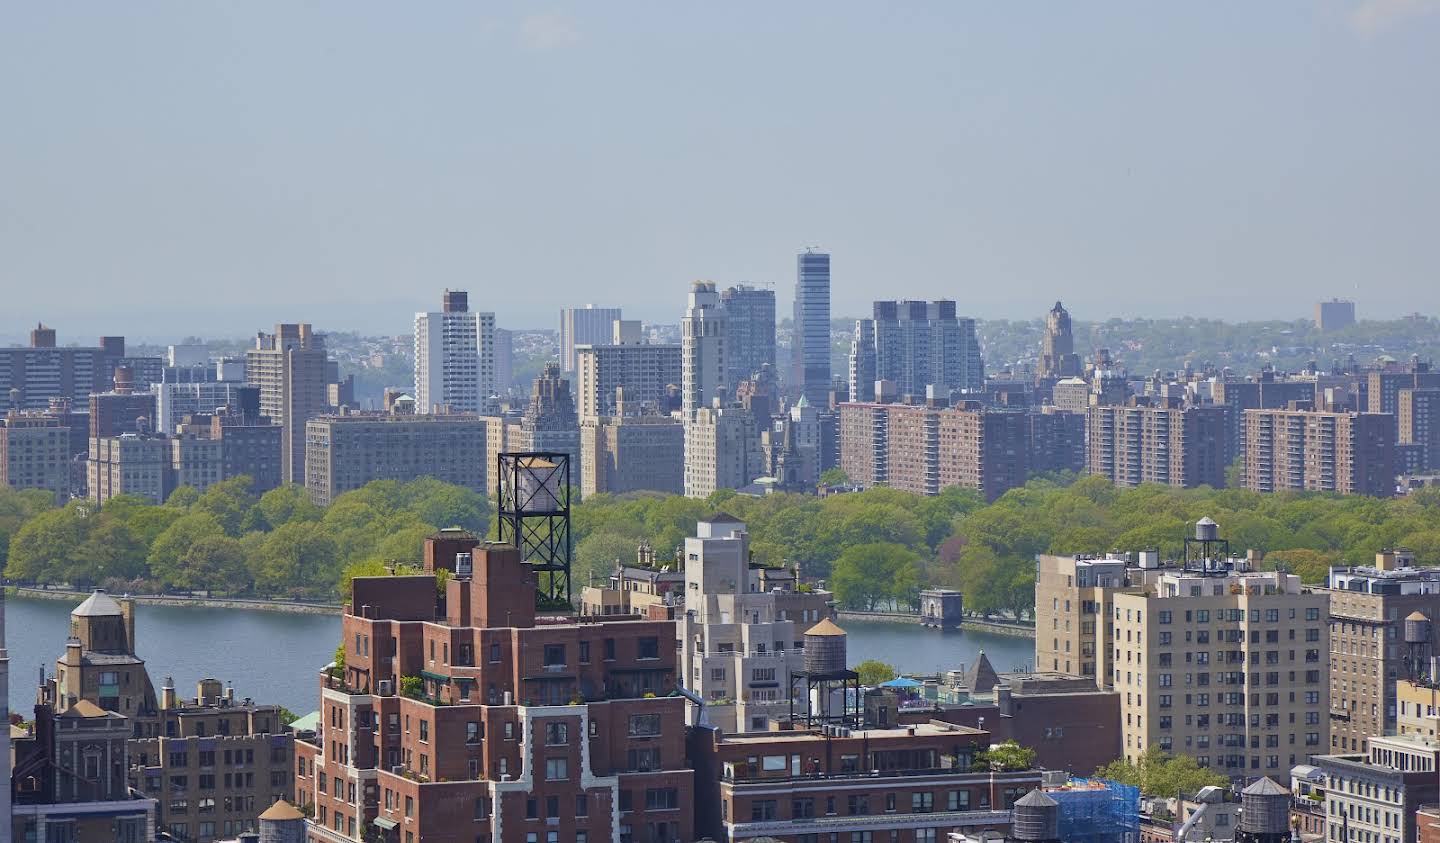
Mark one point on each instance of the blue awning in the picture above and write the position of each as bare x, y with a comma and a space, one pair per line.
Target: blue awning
901, 682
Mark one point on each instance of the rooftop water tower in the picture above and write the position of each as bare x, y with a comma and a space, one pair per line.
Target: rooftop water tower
1036, 819
1264, 813
832, 691
534, 516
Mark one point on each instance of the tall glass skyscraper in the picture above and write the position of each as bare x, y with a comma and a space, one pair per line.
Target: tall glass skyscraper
812, 327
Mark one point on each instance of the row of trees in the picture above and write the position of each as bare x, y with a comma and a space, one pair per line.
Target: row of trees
876, 549
229, 539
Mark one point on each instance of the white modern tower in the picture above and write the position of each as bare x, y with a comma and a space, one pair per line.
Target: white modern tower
454, 358
702, 348
588, 325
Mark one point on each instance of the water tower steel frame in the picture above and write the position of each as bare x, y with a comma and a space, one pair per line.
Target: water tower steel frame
534, 516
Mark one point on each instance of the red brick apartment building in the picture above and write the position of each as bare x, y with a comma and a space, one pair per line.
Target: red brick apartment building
910, 784
463, 717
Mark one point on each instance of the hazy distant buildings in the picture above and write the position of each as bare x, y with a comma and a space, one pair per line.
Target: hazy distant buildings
290, 368
35, 454
1057, 357
550, 422
702, 344
862, 361
1419, 419
1057, 440
631, 452
1172, 446
642, 370
749, 331
454, 357
722, 450
1334, 314
588, 325
1306, 450
44, 371
205, 450
917, 345
810, 355
925, 448
504, 361
346, 452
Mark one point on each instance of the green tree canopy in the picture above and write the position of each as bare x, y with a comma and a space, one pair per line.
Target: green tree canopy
1158, 773
873, 672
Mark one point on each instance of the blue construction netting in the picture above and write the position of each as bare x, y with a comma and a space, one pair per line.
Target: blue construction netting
1098, 811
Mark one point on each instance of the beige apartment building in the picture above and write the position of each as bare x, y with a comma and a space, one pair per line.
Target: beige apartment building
627, 453
292, 372
347, 451
1373, 619
1211, 658
1306, 450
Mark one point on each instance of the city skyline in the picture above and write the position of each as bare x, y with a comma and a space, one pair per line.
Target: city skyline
999, 157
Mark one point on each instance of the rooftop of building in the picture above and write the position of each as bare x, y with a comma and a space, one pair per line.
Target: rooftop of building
98, 604
934, 728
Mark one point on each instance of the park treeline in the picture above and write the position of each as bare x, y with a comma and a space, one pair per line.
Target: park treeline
876, 549
228, 539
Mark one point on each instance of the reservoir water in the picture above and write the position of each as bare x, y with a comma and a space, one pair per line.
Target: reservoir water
275, 657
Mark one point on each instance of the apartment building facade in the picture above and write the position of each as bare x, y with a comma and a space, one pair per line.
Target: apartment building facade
632, 453
912, 784
470, 717
454, 357
293, 373
211, 763
742, 630
35, 454
345, 452
1173, 446
1371, 620
1307, 450
925, 448
642, 370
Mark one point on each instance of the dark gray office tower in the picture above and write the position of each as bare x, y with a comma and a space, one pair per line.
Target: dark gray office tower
749, 332
812, 327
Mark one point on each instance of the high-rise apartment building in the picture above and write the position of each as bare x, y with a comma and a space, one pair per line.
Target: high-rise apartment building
289, 367
810, 348
1057, 356
345, 452
1307, 450
43, 370
35, 454
468, 716
642, 370
722, 450
1057, 440
703, 353
1262, 392
1418, 411
742, 633
749, 331
920, 344
629, 452
1383, 385
926, 448
1173, 446
174, 400
1213, 660
1334, 314
504, 361
588, 325
454, 357
122, 409
1371, 612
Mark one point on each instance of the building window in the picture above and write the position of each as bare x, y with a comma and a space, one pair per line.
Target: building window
648, 648
922, 803
662, 799
644, 725
556, 769
556, 734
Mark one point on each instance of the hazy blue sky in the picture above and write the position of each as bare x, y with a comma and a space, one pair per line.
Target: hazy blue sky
341, 163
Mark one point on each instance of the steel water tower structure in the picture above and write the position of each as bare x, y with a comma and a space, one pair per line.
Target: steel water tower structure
1264, 813
534, 515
